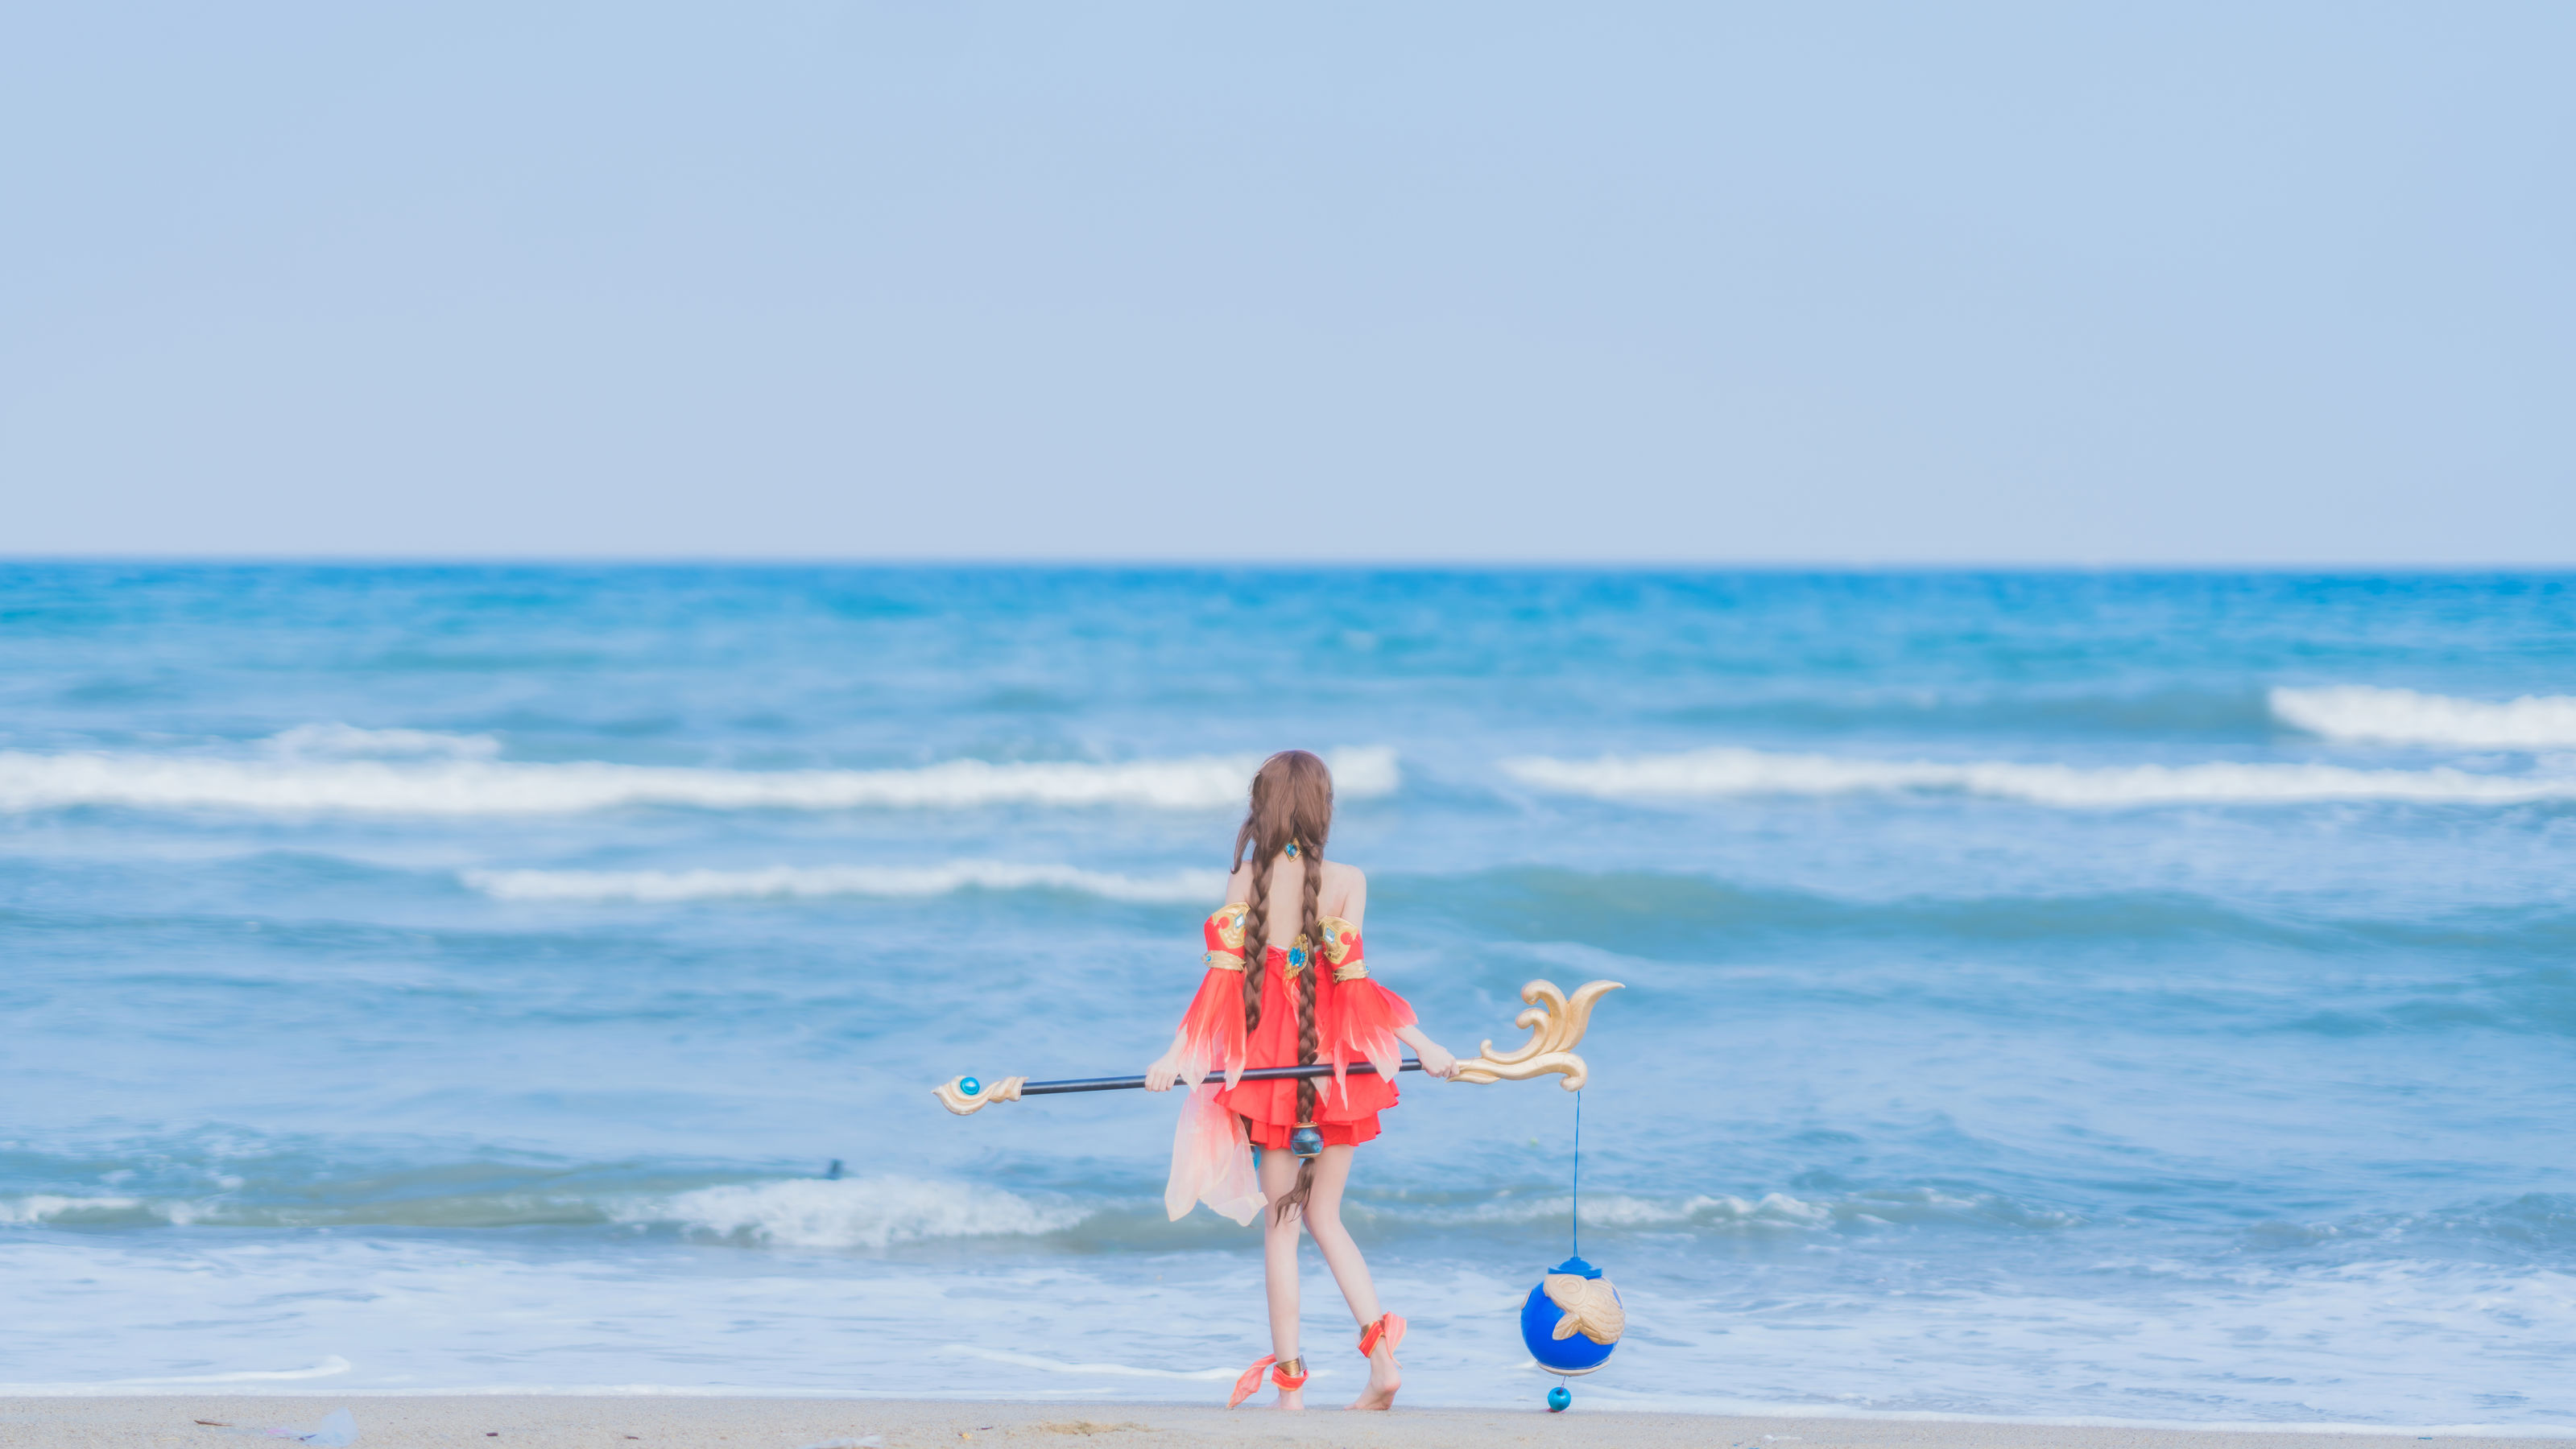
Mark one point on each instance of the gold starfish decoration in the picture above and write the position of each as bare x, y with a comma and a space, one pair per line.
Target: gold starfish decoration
1591, 1307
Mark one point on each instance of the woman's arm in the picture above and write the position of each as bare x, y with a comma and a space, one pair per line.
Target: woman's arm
1436, 1060
1352, 902
1353, 907
1224, 934
1166, 1068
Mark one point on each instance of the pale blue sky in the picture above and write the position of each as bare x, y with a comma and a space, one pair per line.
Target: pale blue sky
2048, 283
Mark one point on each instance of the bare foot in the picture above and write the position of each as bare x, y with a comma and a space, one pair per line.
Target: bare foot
1385, 1377
1294, 1399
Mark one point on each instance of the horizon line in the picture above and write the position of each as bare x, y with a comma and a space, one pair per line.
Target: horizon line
1391, 563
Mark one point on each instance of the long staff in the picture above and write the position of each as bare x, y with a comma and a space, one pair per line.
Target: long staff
1555, 1027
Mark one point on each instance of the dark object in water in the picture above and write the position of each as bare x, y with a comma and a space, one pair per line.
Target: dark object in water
833, 1172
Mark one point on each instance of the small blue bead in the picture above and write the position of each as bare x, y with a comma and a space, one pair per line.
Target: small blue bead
970, 1086
1559, 1399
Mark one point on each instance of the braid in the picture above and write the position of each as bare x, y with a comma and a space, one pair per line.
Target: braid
1256, 940
1309, 930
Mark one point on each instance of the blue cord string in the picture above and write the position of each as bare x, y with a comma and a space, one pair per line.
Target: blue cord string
1578, 1174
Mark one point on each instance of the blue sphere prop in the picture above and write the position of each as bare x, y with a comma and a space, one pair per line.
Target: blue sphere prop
1573, 1354
969, 1086
1559, 1399
1306, 1142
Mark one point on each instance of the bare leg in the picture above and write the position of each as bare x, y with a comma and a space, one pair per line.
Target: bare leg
1279, 1264
1350, 1270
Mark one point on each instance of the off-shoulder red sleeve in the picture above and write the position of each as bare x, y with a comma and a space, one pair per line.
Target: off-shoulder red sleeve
1212, 1036
1359, 1018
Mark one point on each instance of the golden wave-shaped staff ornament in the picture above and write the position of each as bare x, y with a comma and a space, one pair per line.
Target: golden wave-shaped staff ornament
1555, 1021
1555, 1029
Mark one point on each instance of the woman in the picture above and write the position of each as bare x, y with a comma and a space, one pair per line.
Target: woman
1307, 998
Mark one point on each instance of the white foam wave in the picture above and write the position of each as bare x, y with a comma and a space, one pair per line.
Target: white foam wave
38, 1209
340, 741
330, 1366
493, 787
1771, 1211
789, 882
1613, 1210
872, 1212
2405, 717
1720, 772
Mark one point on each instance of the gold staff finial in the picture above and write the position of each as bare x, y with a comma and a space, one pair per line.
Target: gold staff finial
1555, 1030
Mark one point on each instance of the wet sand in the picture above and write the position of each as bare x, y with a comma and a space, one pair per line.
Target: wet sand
566, 1422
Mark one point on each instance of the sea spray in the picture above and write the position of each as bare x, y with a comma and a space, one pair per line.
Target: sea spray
1726, 771
484, 787
851, 1212
2411, 717
789, 882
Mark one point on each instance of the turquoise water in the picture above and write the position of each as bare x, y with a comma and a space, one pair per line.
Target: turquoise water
2062, 995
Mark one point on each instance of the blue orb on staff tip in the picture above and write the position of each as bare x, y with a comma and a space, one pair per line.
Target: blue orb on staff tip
1572, 1320
968, 1086
1559, 1399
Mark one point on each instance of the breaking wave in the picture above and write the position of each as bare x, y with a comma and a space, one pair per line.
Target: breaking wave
849, 1213
2405, 717
342, 741
45, 1209
1772, 1212
1726, 771
459, 786
789, 882
793, 1212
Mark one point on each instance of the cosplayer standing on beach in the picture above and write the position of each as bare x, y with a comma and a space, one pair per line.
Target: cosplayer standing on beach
1287, 985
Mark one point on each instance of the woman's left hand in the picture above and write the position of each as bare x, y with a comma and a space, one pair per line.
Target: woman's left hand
1436, 1060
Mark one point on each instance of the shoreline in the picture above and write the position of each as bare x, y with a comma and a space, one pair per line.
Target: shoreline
598, 1420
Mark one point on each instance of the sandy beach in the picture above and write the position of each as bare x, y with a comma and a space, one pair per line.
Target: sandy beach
567, 1422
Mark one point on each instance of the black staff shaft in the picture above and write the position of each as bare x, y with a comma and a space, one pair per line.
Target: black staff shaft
1264, 1074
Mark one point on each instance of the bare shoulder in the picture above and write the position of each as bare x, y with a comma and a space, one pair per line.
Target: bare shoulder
1344, 892
1238, 886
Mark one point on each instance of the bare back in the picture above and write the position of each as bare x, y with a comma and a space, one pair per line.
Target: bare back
1344, 894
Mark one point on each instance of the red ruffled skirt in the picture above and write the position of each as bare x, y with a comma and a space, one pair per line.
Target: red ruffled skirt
1355, 1021
1345, 1110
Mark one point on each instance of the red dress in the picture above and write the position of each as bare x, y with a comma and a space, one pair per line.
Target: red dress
1355, 1020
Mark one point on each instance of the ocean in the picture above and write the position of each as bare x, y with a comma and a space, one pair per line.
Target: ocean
2101, 996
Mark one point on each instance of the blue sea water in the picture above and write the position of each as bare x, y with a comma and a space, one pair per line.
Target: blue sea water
2128, 996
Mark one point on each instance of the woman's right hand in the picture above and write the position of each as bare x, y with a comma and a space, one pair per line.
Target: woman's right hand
1165, 1071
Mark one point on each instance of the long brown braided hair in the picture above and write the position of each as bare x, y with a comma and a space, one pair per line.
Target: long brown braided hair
1292, 802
